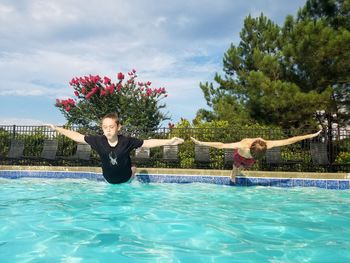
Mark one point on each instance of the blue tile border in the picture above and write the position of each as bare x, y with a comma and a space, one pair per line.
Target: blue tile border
336, 184
12, 174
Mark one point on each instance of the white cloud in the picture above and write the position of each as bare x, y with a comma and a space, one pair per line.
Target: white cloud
5, 11
160, 21
44, 11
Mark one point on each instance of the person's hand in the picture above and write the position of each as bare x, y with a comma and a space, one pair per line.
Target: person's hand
196, 141
176, 141
316, 134
51, 126
320, 130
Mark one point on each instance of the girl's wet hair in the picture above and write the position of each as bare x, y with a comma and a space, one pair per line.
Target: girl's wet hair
258, 149
113, 116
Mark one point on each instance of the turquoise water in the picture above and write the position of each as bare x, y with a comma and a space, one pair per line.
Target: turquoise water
88, 221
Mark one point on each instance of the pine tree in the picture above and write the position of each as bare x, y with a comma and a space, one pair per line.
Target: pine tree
291, 76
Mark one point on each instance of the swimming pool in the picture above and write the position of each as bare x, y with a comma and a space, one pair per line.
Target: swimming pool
76, 220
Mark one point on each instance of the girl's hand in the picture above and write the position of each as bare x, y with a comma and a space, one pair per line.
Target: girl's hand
176, 141
196, 141
51, 126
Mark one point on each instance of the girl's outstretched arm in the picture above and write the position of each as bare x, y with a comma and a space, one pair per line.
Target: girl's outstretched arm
218, 145
73, 135
277, 143
151, 143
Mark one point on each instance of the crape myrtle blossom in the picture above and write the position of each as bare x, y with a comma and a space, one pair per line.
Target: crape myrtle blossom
88, 87
67, 104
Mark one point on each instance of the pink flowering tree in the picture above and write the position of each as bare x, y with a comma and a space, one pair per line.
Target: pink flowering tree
137, 104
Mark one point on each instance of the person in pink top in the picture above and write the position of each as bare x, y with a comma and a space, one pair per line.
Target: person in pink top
248, 150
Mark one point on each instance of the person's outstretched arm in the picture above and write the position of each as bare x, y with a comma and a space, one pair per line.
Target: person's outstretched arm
218, 145
150, 143
75, 136
277, 143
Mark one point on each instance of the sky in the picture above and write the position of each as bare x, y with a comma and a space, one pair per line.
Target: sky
173, 44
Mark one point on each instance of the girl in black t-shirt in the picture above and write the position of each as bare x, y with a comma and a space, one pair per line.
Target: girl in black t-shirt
113, 149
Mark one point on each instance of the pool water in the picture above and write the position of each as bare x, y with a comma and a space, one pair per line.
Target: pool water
88, 221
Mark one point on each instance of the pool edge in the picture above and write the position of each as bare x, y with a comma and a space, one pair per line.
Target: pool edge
338, 181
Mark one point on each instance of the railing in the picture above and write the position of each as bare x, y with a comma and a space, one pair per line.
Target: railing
295, 157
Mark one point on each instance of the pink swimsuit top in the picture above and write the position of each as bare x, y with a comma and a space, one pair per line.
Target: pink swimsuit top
239, 160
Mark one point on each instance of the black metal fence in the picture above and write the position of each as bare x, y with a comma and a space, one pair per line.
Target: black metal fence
295, 157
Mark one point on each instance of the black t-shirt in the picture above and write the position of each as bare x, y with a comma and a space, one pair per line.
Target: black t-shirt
116, 163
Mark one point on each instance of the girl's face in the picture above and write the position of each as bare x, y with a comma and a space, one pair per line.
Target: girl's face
110, 128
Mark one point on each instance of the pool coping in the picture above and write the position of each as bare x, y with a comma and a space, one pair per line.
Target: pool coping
166, 175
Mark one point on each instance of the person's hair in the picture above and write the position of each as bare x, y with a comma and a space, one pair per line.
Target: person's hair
258, 149
113, 116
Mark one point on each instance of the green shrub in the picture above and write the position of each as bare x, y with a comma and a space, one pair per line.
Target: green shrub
5, 138
343, 158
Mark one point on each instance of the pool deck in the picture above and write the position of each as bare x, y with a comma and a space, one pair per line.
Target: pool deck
162, 175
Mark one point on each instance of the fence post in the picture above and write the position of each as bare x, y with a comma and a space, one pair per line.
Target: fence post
14, 131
